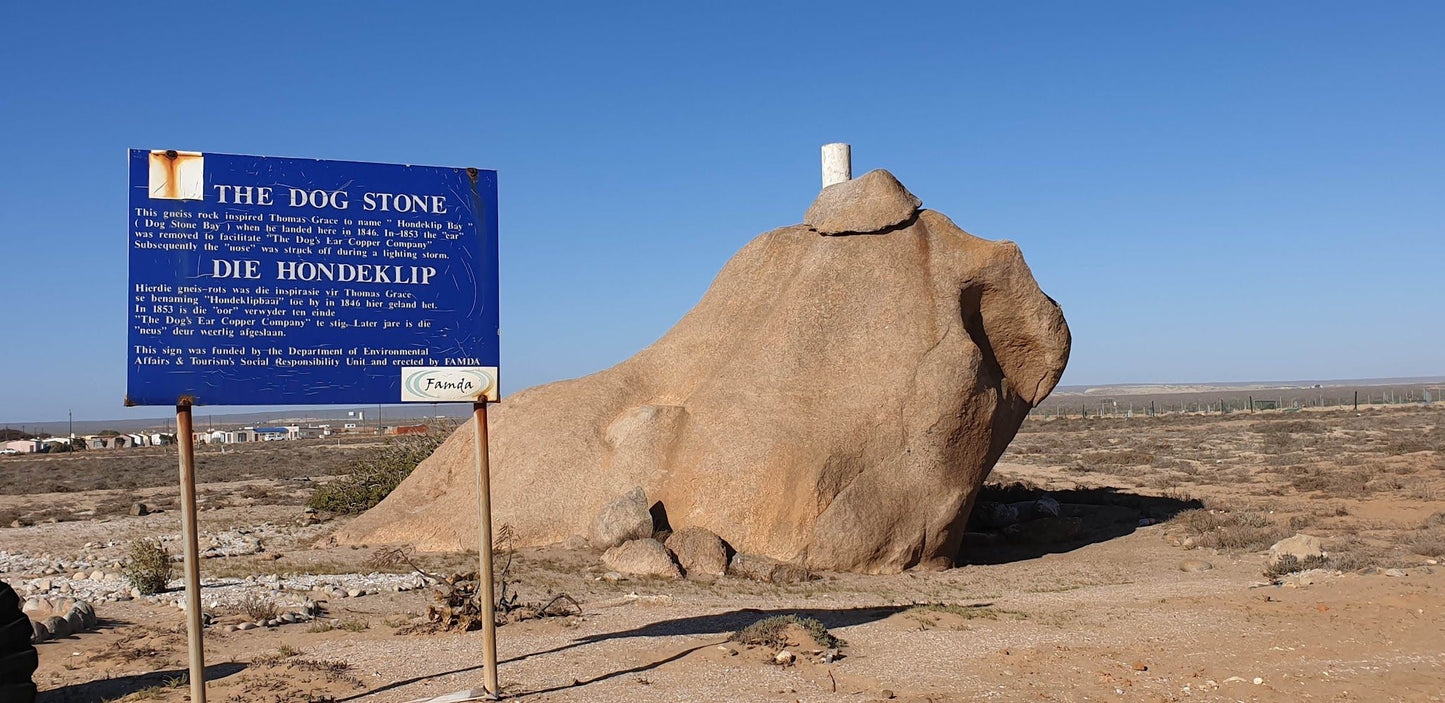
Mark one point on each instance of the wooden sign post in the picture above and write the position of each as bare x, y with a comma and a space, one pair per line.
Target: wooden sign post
194, 636
485, 589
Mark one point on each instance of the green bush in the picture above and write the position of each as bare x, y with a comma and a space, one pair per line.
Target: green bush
150, 566
772, 632
373, 476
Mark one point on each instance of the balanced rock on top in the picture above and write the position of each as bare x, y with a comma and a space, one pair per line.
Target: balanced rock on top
833, 402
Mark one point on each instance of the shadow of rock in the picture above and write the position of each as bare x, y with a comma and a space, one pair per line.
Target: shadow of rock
719, 624
1084, 516
110, 689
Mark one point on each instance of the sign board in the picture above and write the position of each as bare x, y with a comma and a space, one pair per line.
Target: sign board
275, 281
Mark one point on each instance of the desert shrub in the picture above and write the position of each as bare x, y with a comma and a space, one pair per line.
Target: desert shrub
150, 566
772, 632
1430, 541
354, 625
1276, 427
1290, 564
374, 475
1229, 531
258, 608
1409, 444
1124, 457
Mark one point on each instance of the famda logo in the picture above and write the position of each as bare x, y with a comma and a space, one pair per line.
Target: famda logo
438, 383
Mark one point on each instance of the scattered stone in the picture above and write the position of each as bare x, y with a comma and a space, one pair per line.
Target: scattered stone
887, 694
87, 613
870, 203
699, 552
1300, 546
1044, 506
80, 576
995, 516
626, 518
76, 621
641, 557
247, 626
39, 633
613, 577
97, 575
34, 605
228, 628
784, 658
44, 585
355, 593
57, 626
139, 509
576, 543
1396, 572
1194, 565
828, 656
1141, 666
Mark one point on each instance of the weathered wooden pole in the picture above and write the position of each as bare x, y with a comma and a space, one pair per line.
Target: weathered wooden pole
837, 163
485, 590
194, 633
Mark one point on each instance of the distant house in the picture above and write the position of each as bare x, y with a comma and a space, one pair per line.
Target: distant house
23, 446
313, 432
269, 434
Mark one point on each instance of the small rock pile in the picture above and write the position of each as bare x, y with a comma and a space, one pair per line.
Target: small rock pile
625, 527
55, 618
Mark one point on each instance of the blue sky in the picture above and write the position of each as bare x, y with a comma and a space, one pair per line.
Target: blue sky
1213, 191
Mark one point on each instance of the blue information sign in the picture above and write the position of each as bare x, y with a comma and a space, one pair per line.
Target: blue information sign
273, 281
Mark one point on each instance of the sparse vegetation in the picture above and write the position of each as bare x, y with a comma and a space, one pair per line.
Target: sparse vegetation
150, 566
354, 625
1290, 564
374, 475
927, 613
258, 607
772, 632
1229, 531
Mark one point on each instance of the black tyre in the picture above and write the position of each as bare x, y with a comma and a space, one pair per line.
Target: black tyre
17, 656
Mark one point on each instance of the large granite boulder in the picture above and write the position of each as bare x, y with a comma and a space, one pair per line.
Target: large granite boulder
833, 402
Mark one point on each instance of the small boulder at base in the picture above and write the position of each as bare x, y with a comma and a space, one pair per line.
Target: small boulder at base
1300, 546
699, 552
626, 518
139, 509
868, 204
57, 626
1191, 566
641, 557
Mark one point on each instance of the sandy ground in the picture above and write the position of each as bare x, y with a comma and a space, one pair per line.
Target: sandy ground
1107, 616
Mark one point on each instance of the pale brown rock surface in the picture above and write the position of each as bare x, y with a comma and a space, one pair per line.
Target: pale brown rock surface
699, 552
641, 557
871, 203
832, 401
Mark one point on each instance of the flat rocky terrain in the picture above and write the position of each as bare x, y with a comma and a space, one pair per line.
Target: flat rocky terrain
1111, 559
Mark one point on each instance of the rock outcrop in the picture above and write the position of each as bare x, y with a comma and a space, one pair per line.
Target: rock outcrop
834, 402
